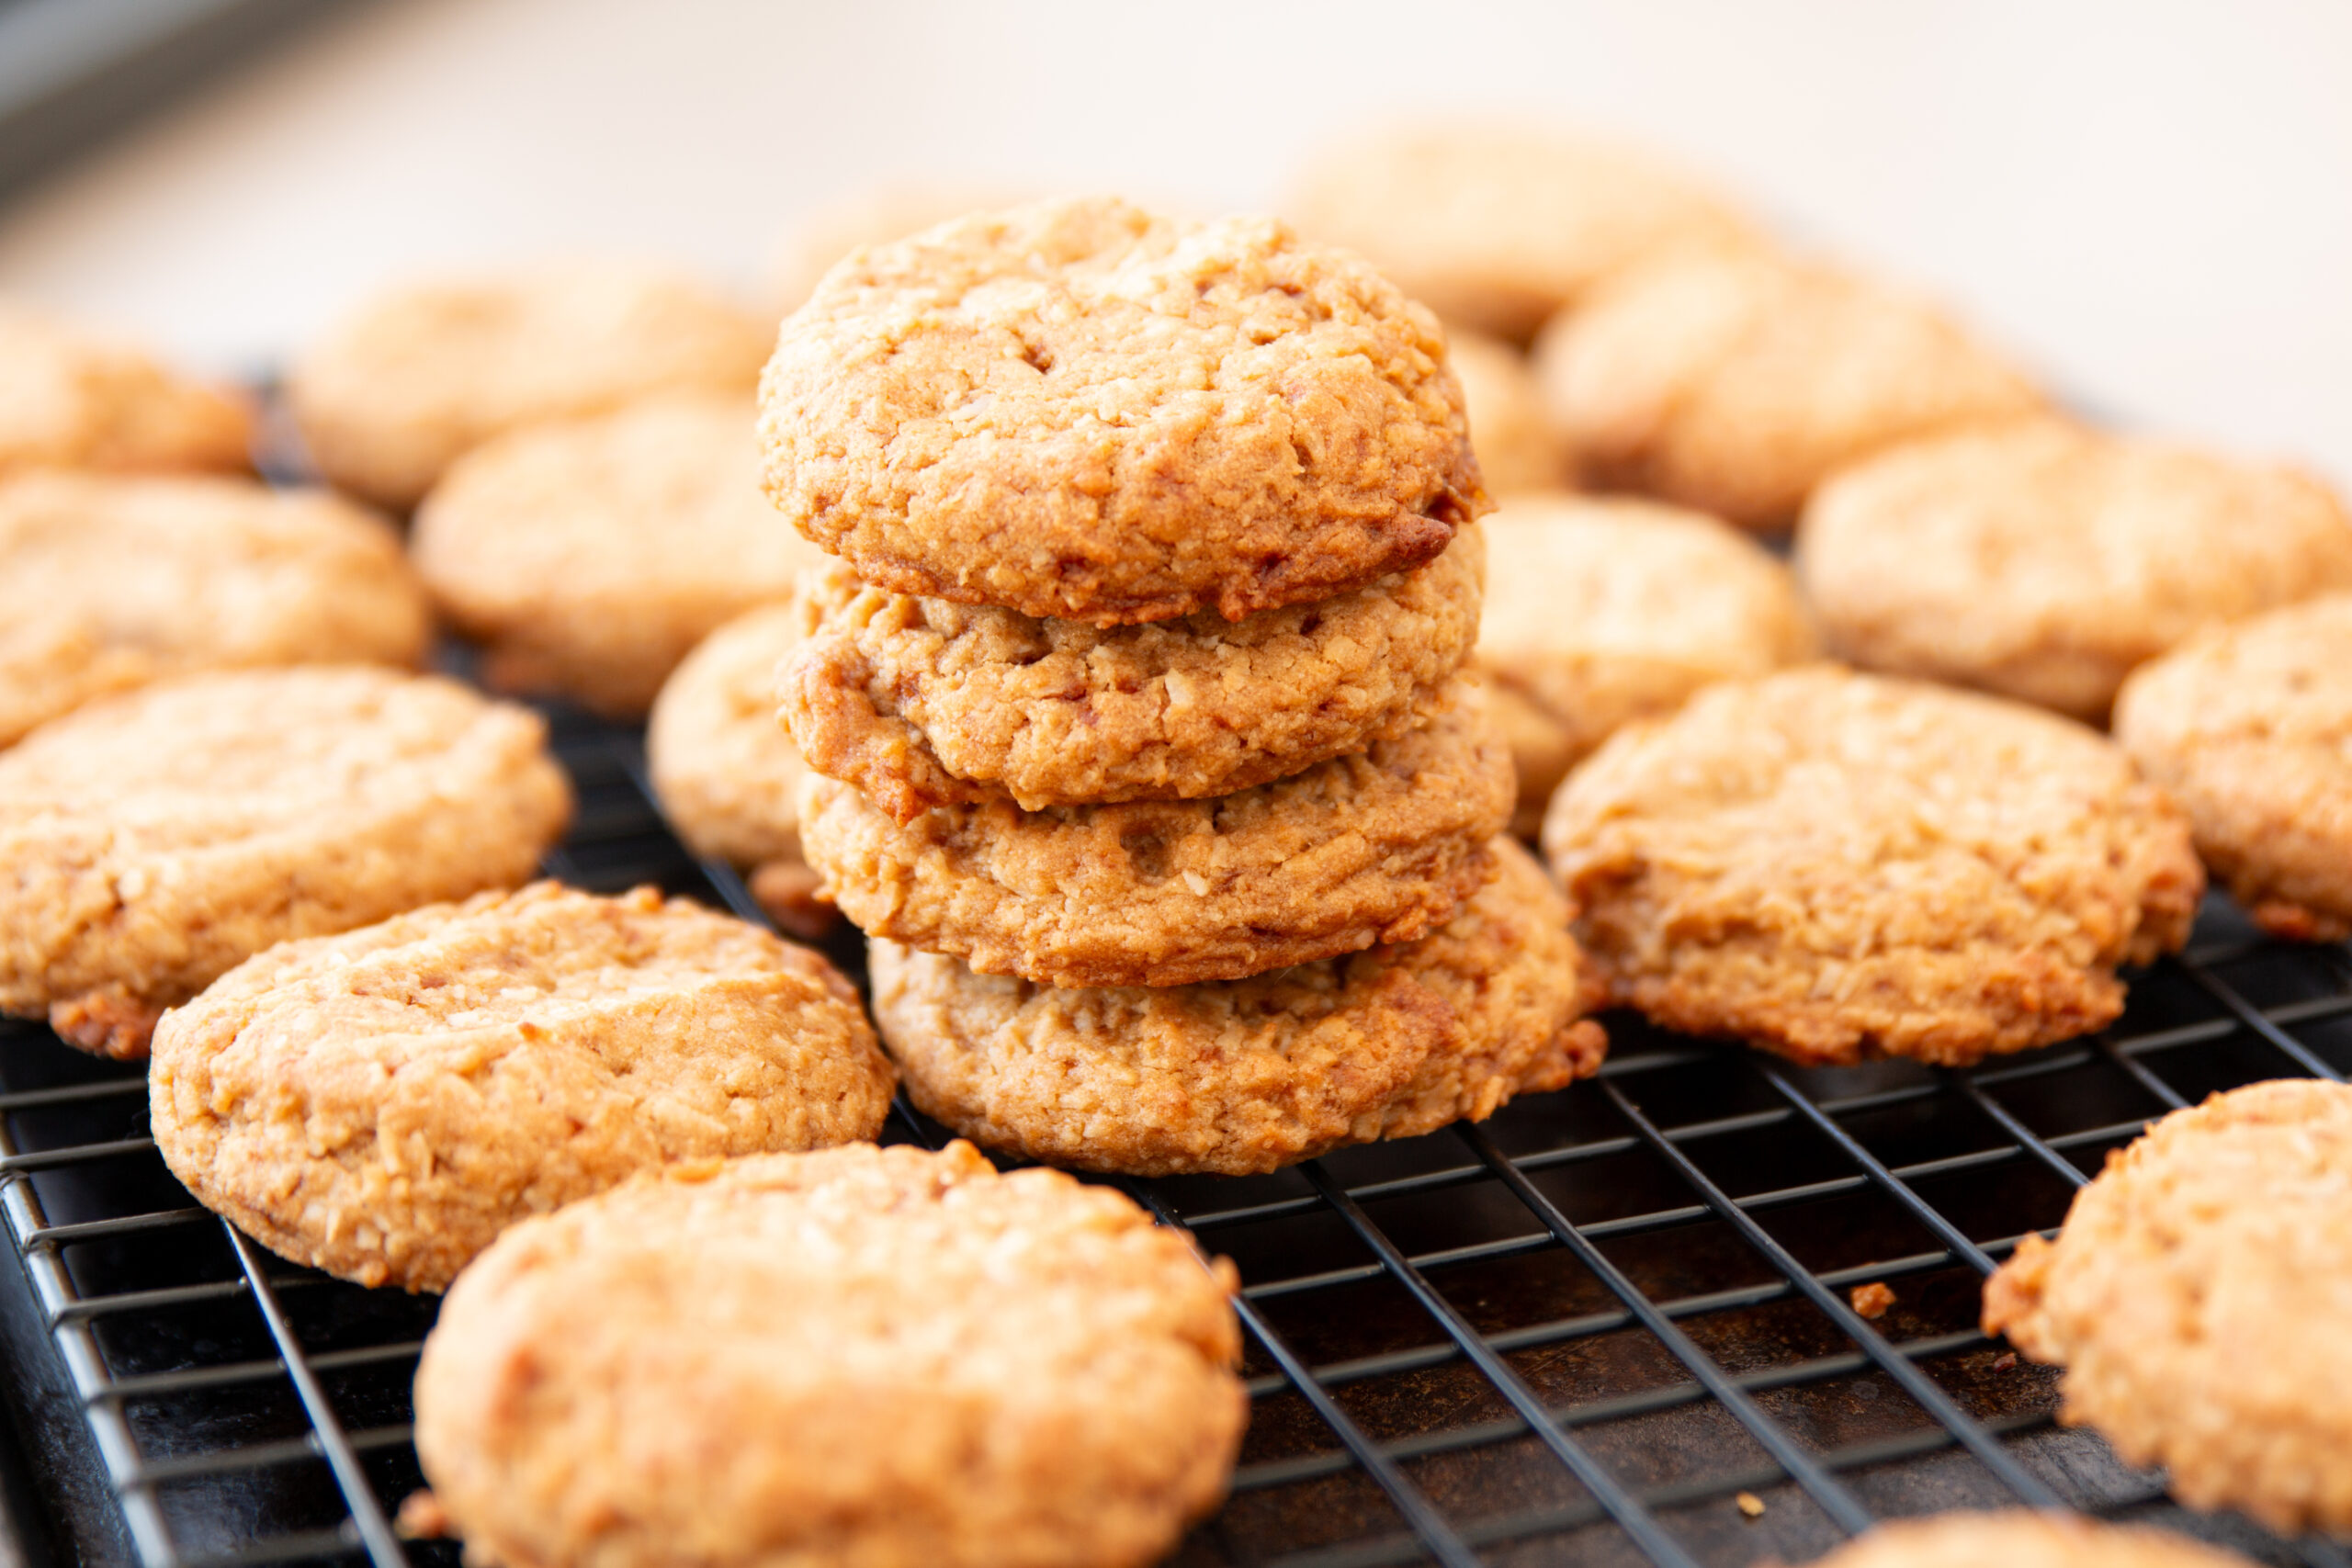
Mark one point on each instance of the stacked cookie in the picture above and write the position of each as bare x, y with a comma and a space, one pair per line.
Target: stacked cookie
1140, 679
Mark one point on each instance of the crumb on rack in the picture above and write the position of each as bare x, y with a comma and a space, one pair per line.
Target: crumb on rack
2006, 1359
1750, 1505
1873, 1299
421, 1518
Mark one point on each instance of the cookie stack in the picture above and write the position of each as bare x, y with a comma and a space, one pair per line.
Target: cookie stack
1134, 707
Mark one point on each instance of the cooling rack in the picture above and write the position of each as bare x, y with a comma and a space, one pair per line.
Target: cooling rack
1614, 1324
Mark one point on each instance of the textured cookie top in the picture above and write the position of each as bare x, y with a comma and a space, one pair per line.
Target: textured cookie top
824, 238
1497, 226
1735, 381
1599, 612
396, 391
592, 554
1250, 1075
723, 769
159, 838
1833, 866
2198, 1296
925, 702
2022, 1539
109, 582
1510, 430
71, 401
1074, 409
1374, 846
381, 1103
2250, 728
2045, 561
861, 1355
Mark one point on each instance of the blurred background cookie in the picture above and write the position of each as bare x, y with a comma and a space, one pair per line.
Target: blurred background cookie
1511, 428
2018, 1539
72, 399
418, 376
589, 555
1733, 382
2045, 560
110, 581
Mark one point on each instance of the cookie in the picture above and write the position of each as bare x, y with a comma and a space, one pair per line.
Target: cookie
418, 376
1510, 429
72, 401
111, 581
924, 702
158, 839
1376, 846
2045, 561
381, 1103
2197, 1298
1495, 226
1244, 1076
1603, 610
1074, 409
1735, 381
726, 774
2018, 1539
2250, 728
1834, 866
860, 1356
588, 556
871, 217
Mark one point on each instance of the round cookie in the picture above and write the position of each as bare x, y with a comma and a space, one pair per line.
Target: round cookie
2045, 561
589, 555
110, 581
381, 1103
2250, 728
1735, 381
1245, 1075
924, 702
1074, 409
1834, 866
2197, 1298
1510, 429
72, 401
872, 218
1374, 846
418, 376
1602, 611
1495, 227
726, 772
2020, 1538
855, 1357
158, 839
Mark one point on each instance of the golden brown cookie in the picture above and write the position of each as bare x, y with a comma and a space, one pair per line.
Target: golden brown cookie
158, 839
2044, 561
1376, 846
110, 581
1497, 226
924, 702
838, 1359
1735, 381
381, 1103
1834, 866
2197, 1298
1243, 1075
2017, 1538
726, 772
1074, 409
590, 554
1509, 427
872, 218
1603, 610
418, 376
72, 401
2250, 728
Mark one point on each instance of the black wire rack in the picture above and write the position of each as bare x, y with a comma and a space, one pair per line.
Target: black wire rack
1612, 1325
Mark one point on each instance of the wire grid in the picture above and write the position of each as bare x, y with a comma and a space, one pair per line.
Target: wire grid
1589, 1330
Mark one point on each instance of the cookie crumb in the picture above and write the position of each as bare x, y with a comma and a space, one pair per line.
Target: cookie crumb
420, 1517
1750, 1505
1872, 1300
2006, 1359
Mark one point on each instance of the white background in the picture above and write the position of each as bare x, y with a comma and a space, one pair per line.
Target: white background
2152, 200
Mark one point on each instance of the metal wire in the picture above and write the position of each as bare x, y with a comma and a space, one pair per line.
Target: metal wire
1665, 1212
